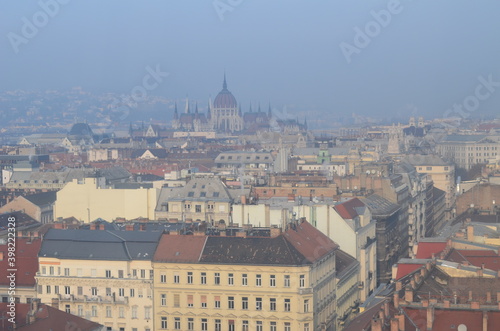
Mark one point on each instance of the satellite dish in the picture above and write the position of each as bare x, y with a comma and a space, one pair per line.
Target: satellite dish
462, 327
373, 171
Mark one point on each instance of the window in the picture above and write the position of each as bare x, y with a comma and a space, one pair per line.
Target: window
134, 311
217, 301
121, 312
147, 313
163, 322
108, 291
287, 326
143, 273
244, 303
79, 272
151, 274
231, 325
177, 300
94, 311
80, 310
67, 290
230, 279
272, 304
48, 289
121, 292
108, 273
204, 324
287, 305
258, 280
230, 302
306, 305
132, 292
306, 327
177, 323
197, 208
286, 282
190, 277
176, 279
93, 272
163, 300
51, 270
56, 289
218, 325
273, 326
259, 326
190, 300
203, 278
108, 311
93, 290
244, 280
302, 281
245, 325
44, 270
120, 273
272, 281
190, 323
258, 303
217, 278
79, 290
163, 278
203, 301
66, 271
67, 309
134, 272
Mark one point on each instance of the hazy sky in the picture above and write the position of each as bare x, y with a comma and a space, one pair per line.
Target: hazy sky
426, 58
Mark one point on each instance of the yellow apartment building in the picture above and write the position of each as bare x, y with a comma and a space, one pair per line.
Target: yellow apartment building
285, 281
104, 276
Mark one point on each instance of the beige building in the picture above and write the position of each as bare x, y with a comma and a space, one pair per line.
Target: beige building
39, 206
103, 276
204, 198
283, 282
468, 150
88, 199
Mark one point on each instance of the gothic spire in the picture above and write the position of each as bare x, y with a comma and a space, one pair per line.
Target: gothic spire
224, 84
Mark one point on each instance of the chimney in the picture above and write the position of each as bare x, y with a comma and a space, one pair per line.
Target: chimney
1, 256
394, 324
223, 234
381, 315
142, 227
446, 304
396, 300
474, 305
408, 294
479, 272
129, 227
243, 200
376, 324
242, 234
470, 296
430, 317
386, 308
401, 319
470, 233
92, 226
488, 297
101, 226
275, 231
485, 320
399, 286
174, 233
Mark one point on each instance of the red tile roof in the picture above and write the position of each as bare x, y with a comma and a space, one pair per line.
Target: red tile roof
425, 249
48, 318
477, 258
451, 319
26, 261
405, 269
179, 248
347, 209
309, 241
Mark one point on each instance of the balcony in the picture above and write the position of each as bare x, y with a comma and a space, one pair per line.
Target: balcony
306, 290
93, 299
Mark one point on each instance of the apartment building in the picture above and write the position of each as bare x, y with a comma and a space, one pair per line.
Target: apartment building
102, 275
282, 282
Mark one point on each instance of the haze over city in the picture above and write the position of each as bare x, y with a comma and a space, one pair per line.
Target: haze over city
424, 60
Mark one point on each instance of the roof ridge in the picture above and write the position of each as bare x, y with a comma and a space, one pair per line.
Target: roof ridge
203, 248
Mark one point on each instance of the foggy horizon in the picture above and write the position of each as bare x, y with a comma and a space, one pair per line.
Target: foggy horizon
291, 54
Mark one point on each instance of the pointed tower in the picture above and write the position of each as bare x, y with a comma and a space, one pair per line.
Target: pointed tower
176, 114
186, 108
305, 123
196, 110
130, 130
209, 113
269, 111
250, 109
259, 108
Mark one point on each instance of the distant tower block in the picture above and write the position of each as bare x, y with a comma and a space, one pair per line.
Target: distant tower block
412, 122
421, 122
395, 139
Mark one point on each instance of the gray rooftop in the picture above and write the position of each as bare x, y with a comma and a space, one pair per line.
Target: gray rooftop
100, 244
380, 206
